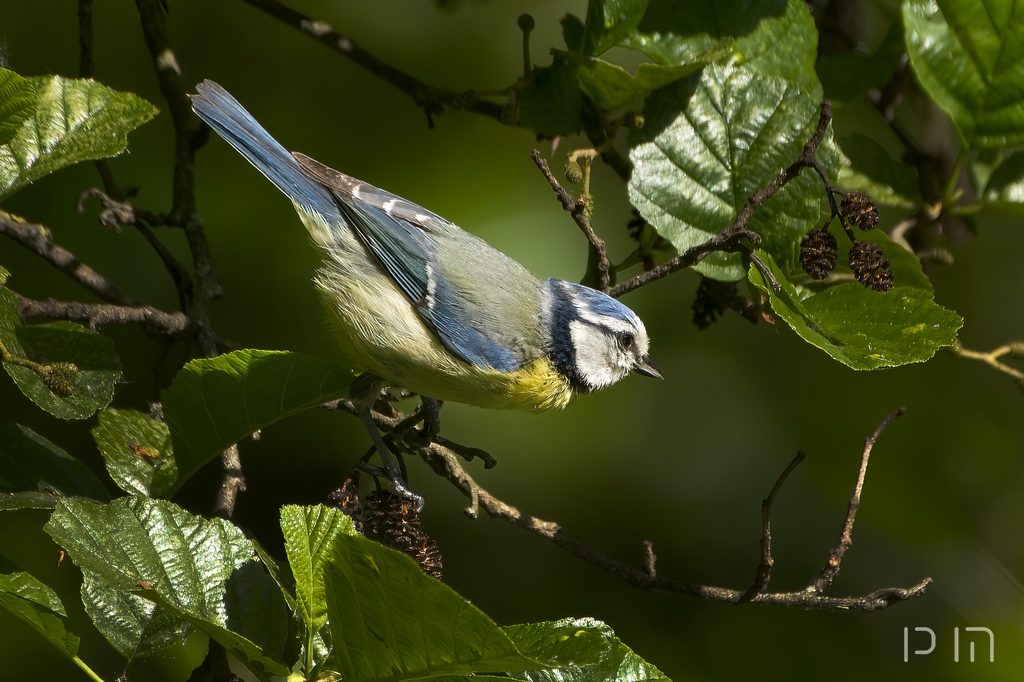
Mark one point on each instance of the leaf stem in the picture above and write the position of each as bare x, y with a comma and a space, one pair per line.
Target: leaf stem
86, 669
948, 191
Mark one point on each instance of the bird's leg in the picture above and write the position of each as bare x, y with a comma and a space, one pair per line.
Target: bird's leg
365, 391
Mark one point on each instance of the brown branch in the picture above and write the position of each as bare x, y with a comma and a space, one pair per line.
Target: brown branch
98, 314
577, 208
189, 135
39, 240
433, 100
835, 559
445, 462
764, 570
728, 239
993, 358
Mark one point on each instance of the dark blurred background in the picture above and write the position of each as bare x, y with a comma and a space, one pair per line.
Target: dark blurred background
684, 462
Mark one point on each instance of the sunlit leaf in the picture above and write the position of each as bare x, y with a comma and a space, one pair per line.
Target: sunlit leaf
204, 571
708, 142
904, 325
214, 403
75, 120
579, 650
17, 103
137, 451
133, 625
35, 473
969, 56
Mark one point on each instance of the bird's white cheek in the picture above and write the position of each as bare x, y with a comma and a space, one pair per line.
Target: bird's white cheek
594, 361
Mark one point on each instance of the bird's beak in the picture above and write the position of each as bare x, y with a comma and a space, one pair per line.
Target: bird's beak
647, 367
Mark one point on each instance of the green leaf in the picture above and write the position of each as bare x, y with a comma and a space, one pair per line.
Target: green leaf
708, 142
17, 103
610, 86
91, 387
582, 650
772, 37
390, 621
969, 56
609, 22
137, 451
75, 120
204, 571
36, 474
133, 625
214, 403
868, 167
861, 328
310, 534
551, 103
37, 605
1005, 188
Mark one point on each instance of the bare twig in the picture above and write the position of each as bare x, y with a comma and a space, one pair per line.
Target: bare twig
189, 135
993, 358
728, 239
764, 570
577, 208
432, 100
85, 59
99, 314
39, 240
835, 559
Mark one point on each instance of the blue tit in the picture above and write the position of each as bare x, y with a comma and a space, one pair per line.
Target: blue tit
420, 303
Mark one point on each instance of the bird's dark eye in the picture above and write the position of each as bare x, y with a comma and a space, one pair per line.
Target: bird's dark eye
626, 340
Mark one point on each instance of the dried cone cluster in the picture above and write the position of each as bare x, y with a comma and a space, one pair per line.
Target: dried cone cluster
858, 209
394, 521
870, 267
391, 520
818, 253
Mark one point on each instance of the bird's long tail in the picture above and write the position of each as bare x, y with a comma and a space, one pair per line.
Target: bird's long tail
230, 120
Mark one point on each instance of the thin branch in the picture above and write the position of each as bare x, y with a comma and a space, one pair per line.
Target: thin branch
446, 464
764, 570
728, 239
432, 100
39, 240
86, 66
835, 559
189, 135
98, 314
993, 358
577, 208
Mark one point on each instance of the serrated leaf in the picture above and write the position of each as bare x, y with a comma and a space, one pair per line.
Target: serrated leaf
133, 625
137, 451
708, 142
99, 369
36, 474
75, 120
38, 605
214, 403
585, 650
773, 37
868, 167
309, 537
204, 571
969, 56
551, 103
861, 328
390, 621
17, 103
